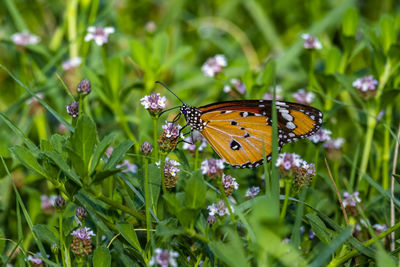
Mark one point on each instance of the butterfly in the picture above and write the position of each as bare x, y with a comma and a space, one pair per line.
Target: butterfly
240, 131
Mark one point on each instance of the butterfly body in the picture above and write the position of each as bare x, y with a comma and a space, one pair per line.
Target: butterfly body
241, 131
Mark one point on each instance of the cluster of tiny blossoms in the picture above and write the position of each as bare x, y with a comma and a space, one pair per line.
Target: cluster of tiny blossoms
229, 183
331, 145
191, 142
154, 103
98, 34
311, 42
25, 38
252, 192
366, 86
350, 202
238, 85
164, 258
303, 97
214, 65
212, 167
170, 172
278, 93
291, 163
82, 243
169, 137
218, 209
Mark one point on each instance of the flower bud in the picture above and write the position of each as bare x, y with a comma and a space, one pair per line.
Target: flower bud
146, 148
73, 109
81, 213
84, 87
211, 219
60, 203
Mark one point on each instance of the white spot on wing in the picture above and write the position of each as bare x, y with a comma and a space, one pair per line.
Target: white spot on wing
290, 125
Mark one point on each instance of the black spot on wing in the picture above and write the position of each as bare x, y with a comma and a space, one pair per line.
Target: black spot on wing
234, 145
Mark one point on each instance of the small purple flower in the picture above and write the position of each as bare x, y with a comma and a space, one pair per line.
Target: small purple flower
109, 151
47, 203
83, 233
164, 258
84, 87
311, 234
155, 103
146, 148
73, 109
321, 136
171, 167
172, 130
366, 83
36, 258
98, 34
308, 168
288, 161
252, 192
278, 91
71, 63
219, 209
351, 199
334, 144
380, 228
212, 167
129, 167
228, 181
25, 38
197, 138
238, 85
311, 42
150, 27
214, 65
303, 97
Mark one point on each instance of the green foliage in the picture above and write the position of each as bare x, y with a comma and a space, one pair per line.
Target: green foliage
94, 160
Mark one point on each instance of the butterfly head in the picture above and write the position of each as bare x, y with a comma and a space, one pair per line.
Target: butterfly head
193, 117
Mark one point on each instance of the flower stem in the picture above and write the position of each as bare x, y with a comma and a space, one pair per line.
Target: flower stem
288, 185
72, 10
155, 128
62, 245
147, 198
225, 199
162, 165
348, 256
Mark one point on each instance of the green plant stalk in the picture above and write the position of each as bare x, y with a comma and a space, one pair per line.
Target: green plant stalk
196, 158
349, 255
225, 199
147, 198
288, 185
155, 129
62, 245
371, 123
72, 10
386, 152
162, 165
121, 118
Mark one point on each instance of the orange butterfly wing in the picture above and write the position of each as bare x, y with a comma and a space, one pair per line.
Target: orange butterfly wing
241, 131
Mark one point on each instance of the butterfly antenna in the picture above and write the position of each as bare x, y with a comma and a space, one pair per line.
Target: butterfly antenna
168, 110
166, 87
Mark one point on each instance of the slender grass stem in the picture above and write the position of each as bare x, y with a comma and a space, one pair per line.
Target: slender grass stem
147, 198
371, 123
62, 245
288, 185
72, 10
162, 166
228, 205
392, 208
155, 130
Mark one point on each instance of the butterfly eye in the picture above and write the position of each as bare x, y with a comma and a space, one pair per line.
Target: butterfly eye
183, 111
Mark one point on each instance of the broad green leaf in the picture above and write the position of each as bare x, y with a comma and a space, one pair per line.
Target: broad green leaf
154, 184
101, 175
102, 257
230, 252
331, 247
128, 232
58, 142
139, 54
350, 22
62, 164
117, 154
195, 191
388, 31
45, 234
83, 140
28, 159
319, 228
333, 59
384, 260
114, 74
100, 149
160, 48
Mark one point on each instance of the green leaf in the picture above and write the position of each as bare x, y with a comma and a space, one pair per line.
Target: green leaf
114, 75
19, 133
350, 22
333, 59
102, 257
384, 260
319, 228
176, 57
327, 252
62, 164
117, 154
155, 183
45, 234
28, 159
58, 142
100, 149
267, 75
101, 175
195, 191
139, 54
231, 252
388, 31
160, 48
83, 141
128, 232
